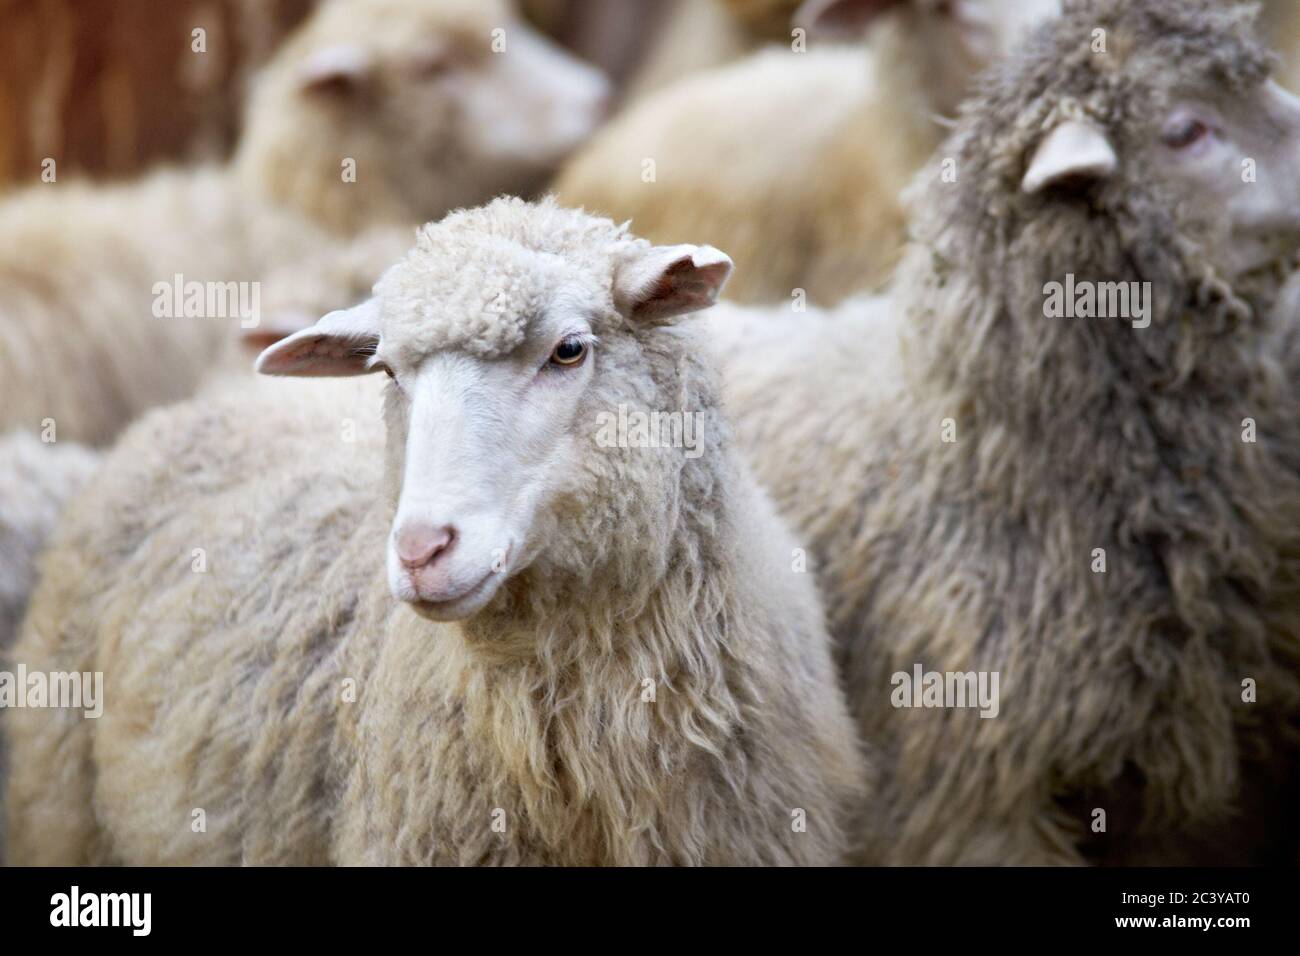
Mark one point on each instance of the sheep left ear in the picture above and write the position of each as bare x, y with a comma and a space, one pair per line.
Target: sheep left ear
341, 343
275, 328
664, 281
1074, 150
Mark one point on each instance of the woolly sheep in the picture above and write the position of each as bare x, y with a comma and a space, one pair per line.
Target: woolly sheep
410, 92
498, 639
1105, 516
439, 104
790, 160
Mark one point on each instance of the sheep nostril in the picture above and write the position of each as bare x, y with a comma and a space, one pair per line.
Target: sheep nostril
419, 544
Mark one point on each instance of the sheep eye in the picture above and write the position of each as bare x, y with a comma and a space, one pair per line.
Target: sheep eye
385, 369
1184, 134
569, 352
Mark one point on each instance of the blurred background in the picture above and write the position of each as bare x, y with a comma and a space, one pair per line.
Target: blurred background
107, 87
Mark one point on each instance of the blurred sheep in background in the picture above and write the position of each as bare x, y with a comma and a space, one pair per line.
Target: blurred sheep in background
793, 160
377, 111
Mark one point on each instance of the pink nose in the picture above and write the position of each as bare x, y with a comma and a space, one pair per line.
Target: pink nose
419, 544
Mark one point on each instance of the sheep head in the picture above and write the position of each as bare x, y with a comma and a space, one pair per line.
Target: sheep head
1135, 147
435, 105
509, 333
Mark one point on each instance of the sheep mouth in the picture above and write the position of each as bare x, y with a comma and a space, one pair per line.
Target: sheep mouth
462, 605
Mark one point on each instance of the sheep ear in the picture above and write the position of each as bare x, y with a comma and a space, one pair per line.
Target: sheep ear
847, 19
1074, 150
664, 281
275, 328
341, 343
335, 69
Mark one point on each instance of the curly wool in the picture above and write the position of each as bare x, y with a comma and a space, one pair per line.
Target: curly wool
315, 719
1120, 690
476, 279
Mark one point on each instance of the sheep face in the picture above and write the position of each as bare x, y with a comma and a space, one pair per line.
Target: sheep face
1226, 153
1141, 141
398, 111
500, 348
1241, 154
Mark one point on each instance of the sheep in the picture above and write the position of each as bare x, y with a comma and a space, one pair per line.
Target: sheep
1105, 515
410, 94
514, 633
439, 104
82, 271
790, 160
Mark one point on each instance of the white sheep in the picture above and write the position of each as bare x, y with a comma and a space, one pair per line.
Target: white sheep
530, 628
434, 103
376, 111
1099, 505
795, 161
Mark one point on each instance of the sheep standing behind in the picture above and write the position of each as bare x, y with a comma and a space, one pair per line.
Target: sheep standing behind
795, 161
498, 638
439, 104
376, 112
1104, 512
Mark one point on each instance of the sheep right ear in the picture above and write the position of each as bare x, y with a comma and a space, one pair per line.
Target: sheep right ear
847, 19
340, 343
663, 281
1074, 151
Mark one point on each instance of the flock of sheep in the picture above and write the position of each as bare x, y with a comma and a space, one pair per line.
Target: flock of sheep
448, 612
